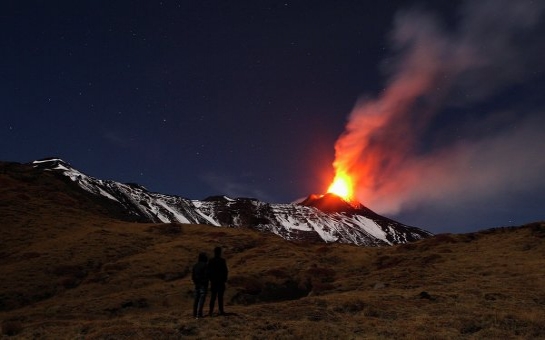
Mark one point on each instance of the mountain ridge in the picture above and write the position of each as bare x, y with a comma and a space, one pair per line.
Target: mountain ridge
325, 218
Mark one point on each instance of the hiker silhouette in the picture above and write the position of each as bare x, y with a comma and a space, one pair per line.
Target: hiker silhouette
199, 275
217, 270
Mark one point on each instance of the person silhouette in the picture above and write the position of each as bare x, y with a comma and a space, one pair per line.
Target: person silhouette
199, 275
217, 269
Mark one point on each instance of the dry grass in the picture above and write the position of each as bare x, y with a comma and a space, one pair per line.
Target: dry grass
70, 271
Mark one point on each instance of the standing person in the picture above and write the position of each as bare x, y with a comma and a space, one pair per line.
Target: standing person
199, 275
217, 269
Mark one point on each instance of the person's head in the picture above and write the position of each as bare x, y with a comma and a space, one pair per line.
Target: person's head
217, 252
203, 257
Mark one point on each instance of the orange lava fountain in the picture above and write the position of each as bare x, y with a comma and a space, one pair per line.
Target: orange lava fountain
342, 186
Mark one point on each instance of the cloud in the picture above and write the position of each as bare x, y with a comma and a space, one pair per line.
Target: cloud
232, 187
434, 135
118, 139
469, 171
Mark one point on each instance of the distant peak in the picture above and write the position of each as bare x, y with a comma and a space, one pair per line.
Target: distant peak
52, 163
48, 160
218, 198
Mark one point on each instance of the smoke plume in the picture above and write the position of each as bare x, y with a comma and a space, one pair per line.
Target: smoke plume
439, 133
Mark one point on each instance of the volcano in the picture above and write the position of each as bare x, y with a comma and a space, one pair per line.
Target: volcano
318, 218
331, 203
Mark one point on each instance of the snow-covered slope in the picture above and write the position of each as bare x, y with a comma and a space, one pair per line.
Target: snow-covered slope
318, 218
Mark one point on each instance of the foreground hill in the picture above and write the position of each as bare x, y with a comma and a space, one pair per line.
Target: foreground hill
69, 270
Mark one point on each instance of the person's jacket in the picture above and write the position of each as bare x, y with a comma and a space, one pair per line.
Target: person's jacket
217, 269
199, 275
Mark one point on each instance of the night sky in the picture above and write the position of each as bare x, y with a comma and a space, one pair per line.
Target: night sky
248, 98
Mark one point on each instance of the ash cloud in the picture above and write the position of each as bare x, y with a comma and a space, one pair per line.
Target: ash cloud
434, 136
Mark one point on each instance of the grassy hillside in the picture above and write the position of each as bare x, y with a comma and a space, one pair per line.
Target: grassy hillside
70, 271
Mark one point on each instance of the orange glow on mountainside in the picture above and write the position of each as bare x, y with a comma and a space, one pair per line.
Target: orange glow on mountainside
342, 186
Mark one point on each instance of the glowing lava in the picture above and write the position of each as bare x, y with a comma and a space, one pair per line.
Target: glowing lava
342, 186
